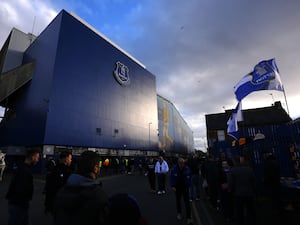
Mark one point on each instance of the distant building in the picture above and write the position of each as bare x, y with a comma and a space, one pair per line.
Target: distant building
175, 136
253, 120
72, 88
263, 130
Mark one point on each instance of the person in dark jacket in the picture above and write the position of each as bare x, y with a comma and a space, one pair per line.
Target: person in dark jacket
56, 179
242, 184
50, 165
150, 171
20, 190
82, 200
271, 176
225, 193
272, 185
180, 181
194, 165
213, 171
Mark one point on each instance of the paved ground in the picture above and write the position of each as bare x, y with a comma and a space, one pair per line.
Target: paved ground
158, 210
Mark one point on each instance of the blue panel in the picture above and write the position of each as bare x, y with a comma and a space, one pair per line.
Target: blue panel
278, 140
86, 96
30, 105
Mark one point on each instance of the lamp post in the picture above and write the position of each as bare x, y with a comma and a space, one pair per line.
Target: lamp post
272, 98
149, 132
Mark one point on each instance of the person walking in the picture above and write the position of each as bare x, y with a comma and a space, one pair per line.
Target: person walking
225, 193
150, 172
82, 200
213, 172
20, 190
242, 184
56, 179
180, 181
194, 165
50, 165
272, 186
161, 170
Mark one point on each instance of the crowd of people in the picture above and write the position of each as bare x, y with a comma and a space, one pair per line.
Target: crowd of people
229, 184
73, 194
232, 187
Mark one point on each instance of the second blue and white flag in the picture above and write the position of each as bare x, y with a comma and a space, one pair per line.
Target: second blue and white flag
232, 123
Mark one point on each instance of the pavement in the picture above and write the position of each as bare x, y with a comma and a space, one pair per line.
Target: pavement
156, 209
264, 211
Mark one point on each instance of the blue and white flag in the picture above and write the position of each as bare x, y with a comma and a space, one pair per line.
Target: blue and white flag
232, 123
265, 76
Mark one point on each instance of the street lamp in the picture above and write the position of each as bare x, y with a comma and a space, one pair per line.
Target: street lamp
149, 132
272, 98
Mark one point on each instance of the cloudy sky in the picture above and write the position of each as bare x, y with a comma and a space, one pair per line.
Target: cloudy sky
198, 49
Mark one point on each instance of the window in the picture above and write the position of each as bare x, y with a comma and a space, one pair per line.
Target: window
221, 135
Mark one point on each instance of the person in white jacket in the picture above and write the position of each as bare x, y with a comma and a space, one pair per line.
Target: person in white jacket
161, 170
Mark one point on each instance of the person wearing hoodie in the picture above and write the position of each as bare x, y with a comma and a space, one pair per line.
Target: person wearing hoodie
82, 200
242, 185
56, 179
180, 181
21, 189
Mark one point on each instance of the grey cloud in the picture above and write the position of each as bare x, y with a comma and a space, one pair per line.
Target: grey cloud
200, 49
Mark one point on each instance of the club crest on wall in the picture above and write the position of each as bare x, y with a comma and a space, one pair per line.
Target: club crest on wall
121, 74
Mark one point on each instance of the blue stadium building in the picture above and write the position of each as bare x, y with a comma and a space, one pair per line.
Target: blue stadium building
175, 136
72, 88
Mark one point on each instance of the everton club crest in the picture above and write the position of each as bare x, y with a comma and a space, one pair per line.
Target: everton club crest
263, 72
121, 73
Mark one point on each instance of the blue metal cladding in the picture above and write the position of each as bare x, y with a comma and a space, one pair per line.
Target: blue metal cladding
75, 99
174, 134
30, 104
278, 140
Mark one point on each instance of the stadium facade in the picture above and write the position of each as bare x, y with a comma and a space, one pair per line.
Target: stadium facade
72, 88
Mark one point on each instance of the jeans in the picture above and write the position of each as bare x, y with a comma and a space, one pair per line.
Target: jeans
183, 192
244, 205
17, 215
161, 179
195, 187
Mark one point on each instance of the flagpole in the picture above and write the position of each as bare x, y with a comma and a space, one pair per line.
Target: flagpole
287, 107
